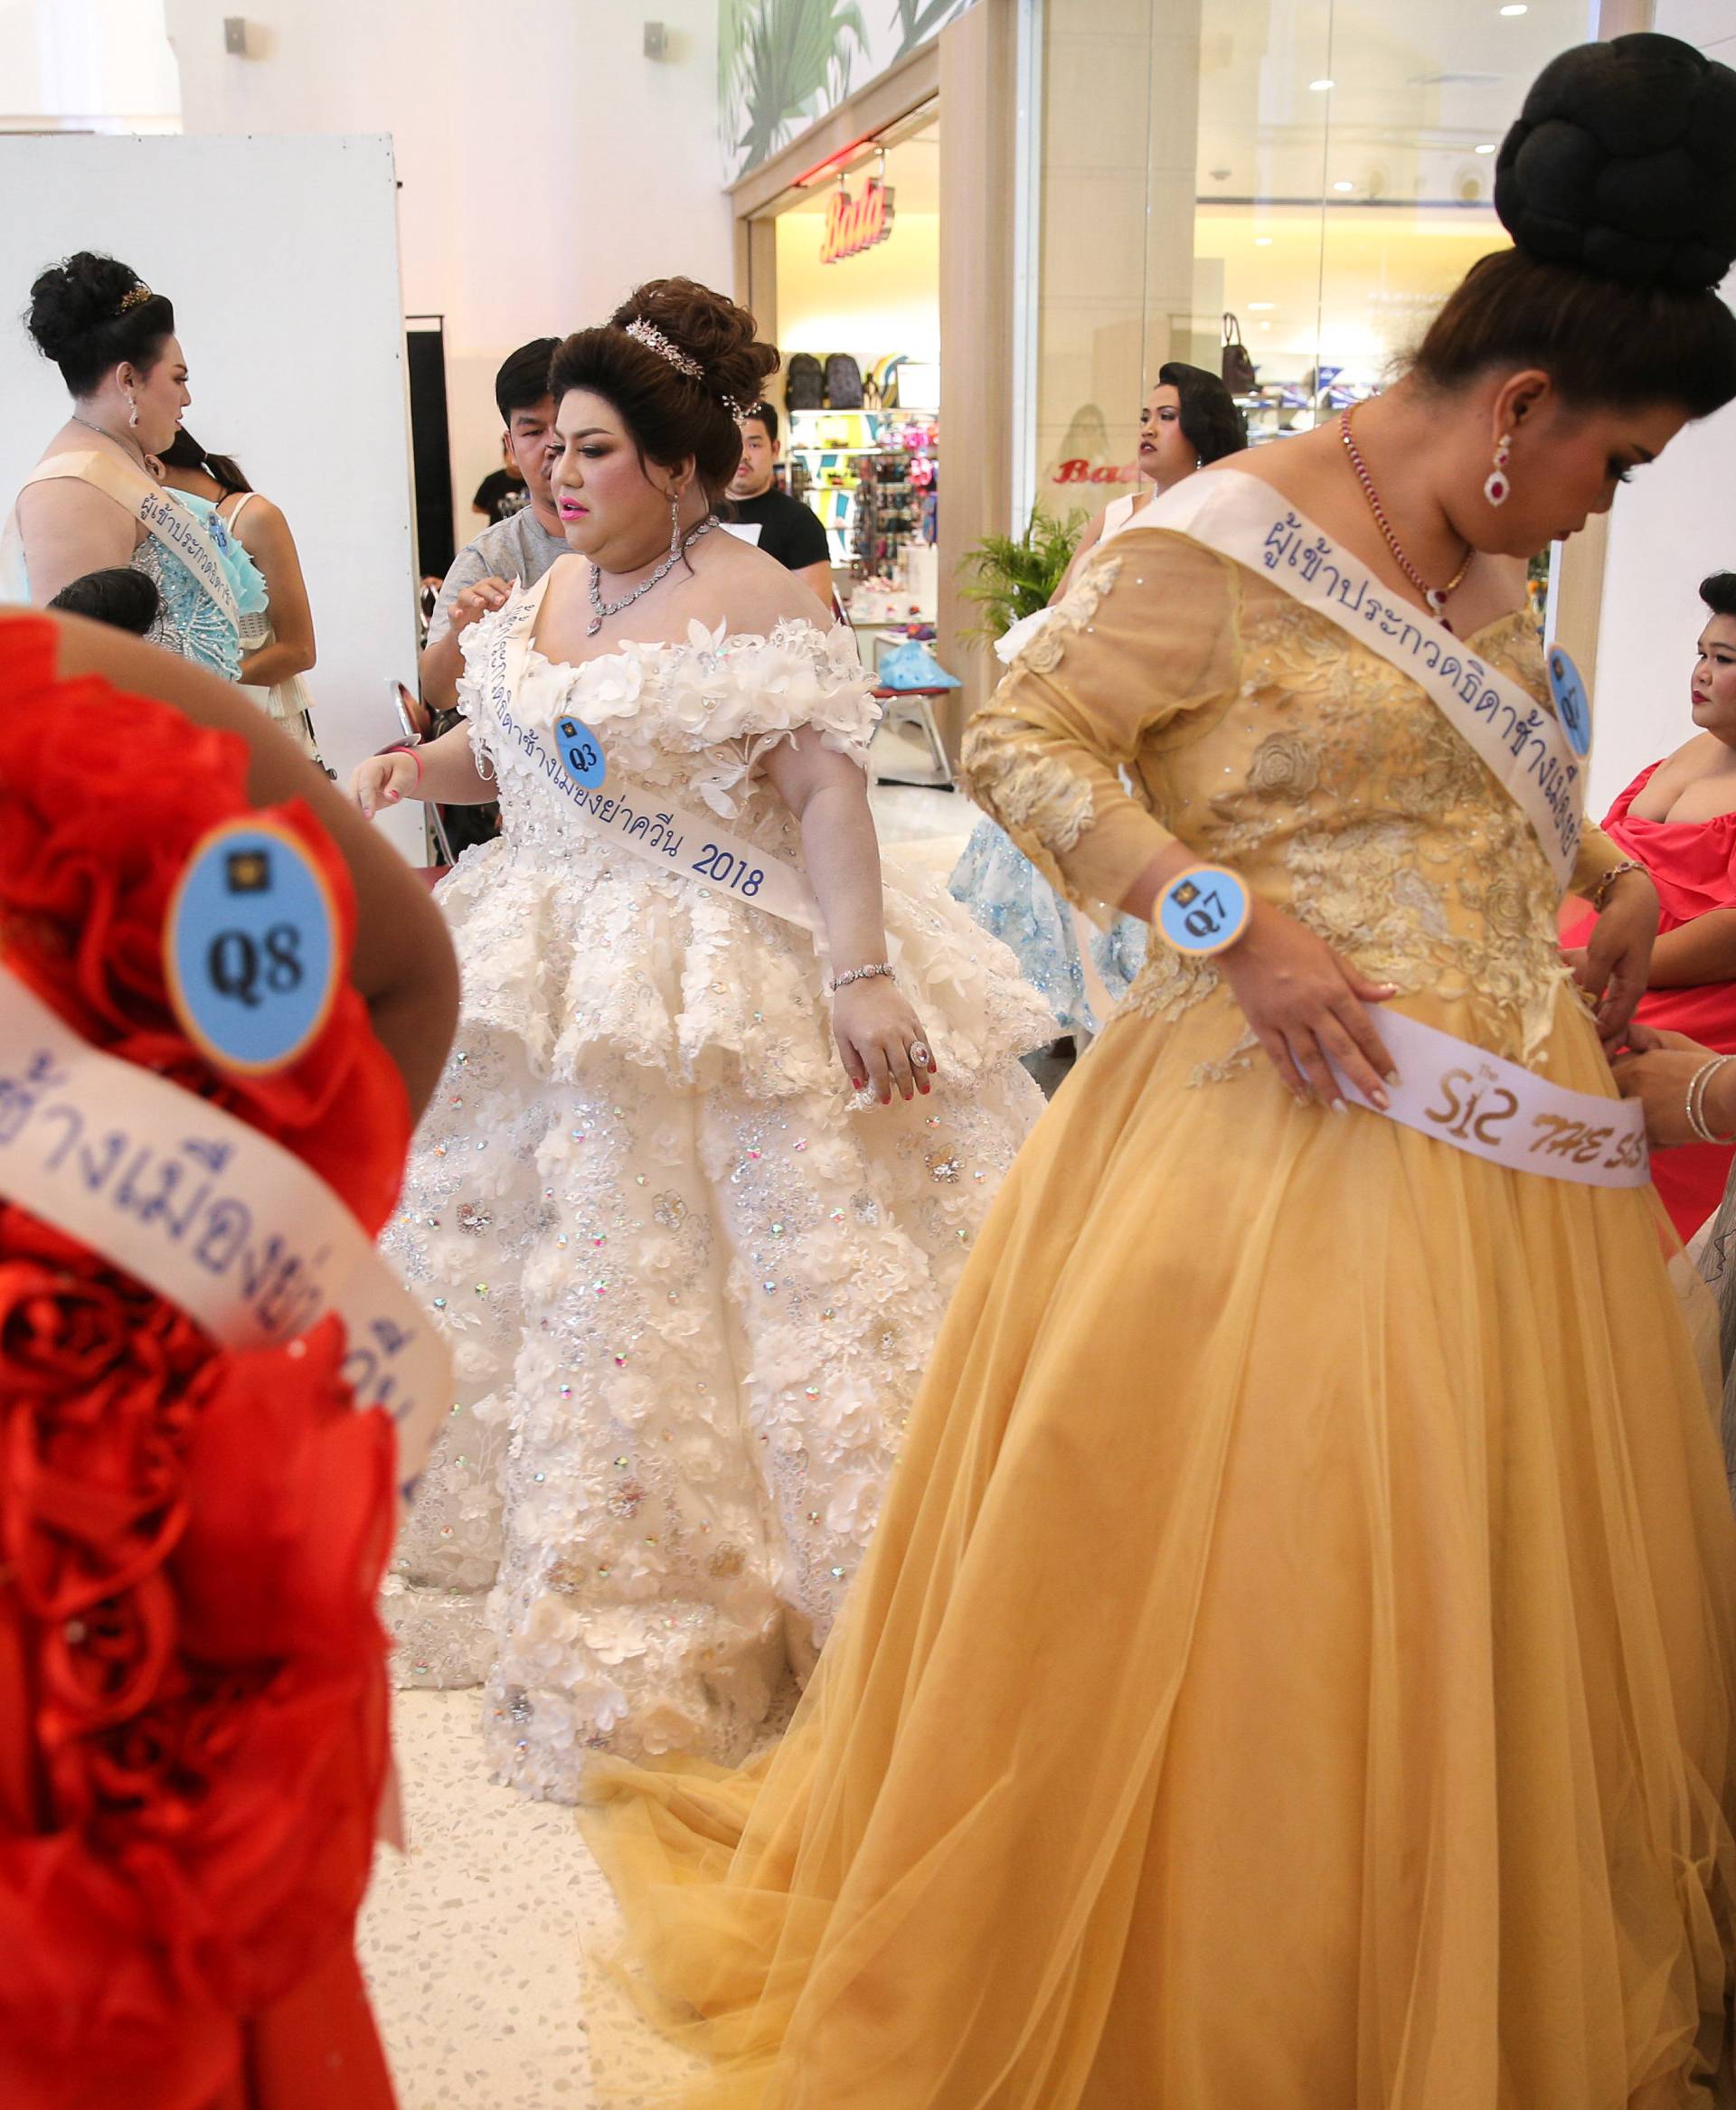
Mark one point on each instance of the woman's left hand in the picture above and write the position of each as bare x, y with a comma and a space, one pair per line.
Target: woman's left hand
881, 1039
1614, 966
1657, 1070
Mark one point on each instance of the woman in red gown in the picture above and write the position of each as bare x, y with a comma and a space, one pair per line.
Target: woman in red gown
1678, 819
192, 1705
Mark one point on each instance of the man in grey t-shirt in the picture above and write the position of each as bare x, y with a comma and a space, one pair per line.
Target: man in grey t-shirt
517, 550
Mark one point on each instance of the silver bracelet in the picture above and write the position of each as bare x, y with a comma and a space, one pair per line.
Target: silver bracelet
1698, 1085
859, 975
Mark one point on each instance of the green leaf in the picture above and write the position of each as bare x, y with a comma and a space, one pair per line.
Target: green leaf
794, 54
916, 21
1015, 576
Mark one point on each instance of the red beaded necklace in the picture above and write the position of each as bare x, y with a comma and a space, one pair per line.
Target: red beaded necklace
1435, 597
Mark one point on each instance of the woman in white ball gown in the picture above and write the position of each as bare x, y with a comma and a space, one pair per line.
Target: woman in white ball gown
689, 1212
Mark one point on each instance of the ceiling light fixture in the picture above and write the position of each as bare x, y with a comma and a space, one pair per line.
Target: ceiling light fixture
1517, 8
1486, 147
1320, 87
1343, 186
1262, 241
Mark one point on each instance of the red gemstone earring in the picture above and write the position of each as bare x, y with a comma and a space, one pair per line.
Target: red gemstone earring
1499, 484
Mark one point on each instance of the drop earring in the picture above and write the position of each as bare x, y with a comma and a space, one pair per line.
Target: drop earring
1499, 485
674, 525
132, 410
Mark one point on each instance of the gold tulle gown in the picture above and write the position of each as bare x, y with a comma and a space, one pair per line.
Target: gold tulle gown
1295, 1668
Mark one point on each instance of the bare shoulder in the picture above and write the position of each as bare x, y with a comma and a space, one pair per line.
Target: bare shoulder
743, 586
1695, 758
259, 524
67, 500
1299, 466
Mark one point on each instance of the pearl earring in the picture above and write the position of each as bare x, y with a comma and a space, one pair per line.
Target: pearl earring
1499, 485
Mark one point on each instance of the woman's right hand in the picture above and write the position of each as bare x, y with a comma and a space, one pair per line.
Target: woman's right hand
477, 601
1305, 1003
384, 780
1656, 1068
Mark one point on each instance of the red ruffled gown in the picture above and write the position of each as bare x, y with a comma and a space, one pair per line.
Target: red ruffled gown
192, 1693
1692, 865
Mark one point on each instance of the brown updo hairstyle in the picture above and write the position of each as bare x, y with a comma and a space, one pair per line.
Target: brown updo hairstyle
78, 319
669, 414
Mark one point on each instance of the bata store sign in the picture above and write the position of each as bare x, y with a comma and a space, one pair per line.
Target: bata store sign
856, 224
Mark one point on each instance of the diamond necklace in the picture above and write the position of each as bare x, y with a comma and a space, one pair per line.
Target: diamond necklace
601, 610
1435, 597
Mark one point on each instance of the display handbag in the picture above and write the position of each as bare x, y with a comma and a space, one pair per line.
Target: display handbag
804, 382
843, 382
1241, 376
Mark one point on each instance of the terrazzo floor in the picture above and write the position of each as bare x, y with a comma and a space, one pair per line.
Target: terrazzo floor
473, 1940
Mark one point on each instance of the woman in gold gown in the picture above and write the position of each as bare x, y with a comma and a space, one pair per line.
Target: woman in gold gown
1295, 1668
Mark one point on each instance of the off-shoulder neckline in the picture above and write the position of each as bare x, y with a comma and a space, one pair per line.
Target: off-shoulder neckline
642, 648
531, 598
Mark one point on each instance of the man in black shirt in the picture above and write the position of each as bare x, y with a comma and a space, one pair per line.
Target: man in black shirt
787, 528
503, 493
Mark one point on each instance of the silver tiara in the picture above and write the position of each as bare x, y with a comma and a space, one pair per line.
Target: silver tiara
653, 339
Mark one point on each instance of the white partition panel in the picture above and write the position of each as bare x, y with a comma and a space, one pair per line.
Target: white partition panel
1678, 523
281, 258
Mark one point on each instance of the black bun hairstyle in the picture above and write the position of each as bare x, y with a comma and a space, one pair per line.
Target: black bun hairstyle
87, 315
1618, 184
1623, 161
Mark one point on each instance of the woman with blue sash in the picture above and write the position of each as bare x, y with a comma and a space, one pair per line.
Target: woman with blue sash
1296, 1663
91, 502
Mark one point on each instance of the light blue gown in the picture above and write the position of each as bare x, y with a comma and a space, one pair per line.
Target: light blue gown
189, 621
1012, 900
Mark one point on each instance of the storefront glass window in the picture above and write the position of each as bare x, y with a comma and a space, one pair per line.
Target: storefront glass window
1322, 170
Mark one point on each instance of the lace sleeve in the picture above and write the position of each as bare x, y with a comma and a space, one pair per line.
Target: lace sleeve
737, 697
1149, 631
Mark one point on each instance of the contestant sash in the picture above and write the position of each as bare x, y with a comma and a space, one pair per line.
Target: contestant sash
1501, 1112
691, 845
172, 523
1522, 743
209, 1213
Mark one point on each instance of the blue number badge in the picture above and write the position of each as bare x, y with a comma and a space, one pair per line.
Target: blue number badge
1572, 705
251, 947
1203, 909
581, 752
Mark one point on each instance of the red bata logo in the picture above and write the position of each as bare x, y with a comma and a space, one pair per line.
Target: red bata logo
854, 224
1077, 470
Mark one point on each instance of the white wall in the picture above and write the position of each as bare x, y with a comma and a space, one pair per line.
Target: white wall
1674, 525
86, 66
306, 389
546, 164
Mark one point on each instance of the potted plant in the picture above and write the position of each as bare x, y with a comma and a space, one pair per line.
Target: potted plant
1015, 575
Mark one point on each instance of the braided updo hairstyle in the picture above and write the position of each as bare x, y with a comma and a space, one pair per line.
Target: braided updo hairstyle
1618, 184
670, 414
78, 318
